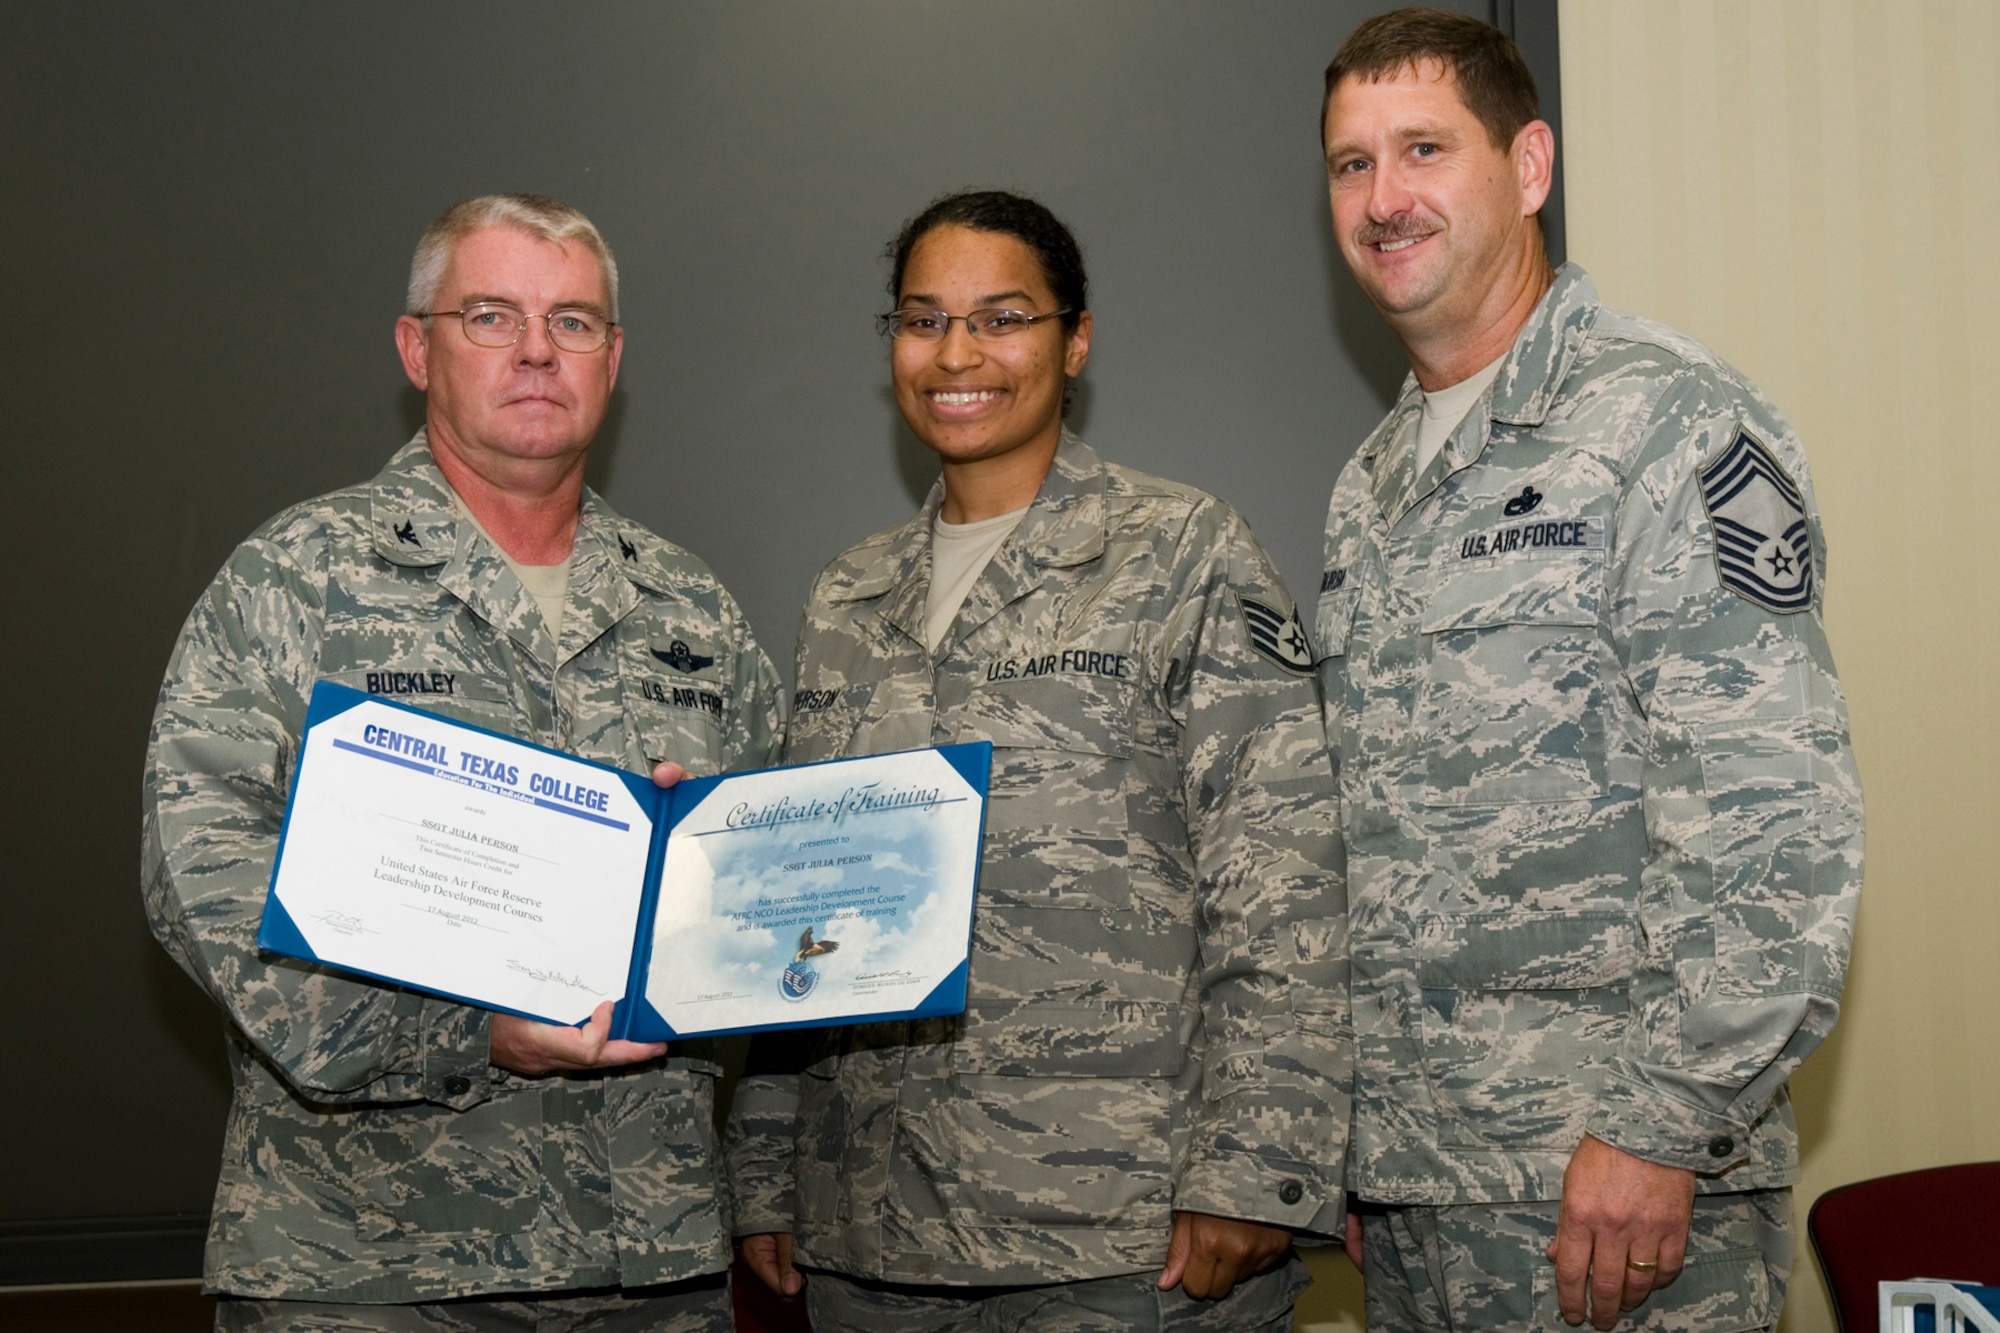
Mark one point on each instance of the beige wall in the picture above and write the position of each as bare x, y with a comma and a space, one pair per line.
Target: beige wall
1813, 188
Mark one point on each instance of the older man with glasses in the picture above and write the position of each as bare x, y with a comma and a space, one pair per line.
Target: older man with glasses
397, 1161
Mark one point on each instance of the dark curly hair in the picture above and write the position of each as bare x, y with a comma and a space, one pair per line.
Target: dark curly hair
1008, 215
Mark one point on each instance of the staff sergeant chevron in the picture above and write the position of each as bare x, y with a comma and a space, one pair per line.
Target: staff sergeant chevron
1277, 636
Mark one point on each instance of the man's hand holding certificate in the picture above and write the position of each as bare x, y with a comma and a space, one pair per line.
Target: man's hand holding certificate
442, 857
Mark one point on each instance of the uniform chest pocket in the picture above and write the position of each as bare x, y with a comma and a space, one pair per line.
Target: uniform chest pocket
676, 715
824, 720
1517, 1009
1512, 706
1334, 622
1057, 817
423, 1175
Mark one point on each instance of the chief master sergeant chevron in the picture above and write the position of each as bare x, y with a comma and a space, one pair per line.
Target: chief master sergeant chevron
386, 1151
1602, 820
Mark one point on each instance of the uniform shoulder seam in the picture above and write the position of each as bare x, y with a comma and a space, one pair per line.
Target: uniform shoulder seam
1623, 326
1126, 483
863, 551
317, 518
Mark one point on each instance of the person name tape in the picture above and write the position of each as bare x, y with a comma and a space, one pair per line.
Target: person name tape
411, 682
813, 701
1763, 540
1278, 636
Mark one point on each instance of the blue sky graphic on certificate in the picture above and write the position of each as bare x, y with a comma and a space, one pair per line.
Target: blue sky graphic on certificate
787, 900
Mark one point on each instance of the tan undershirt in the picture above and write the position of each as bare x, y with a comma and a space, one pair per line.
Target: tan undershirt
547, 584
1445, 408
960, 553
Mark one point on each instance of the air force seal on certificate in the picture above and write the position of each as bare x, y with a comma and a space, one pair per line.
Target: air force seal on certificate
800, 976
1277, 636
1763, 544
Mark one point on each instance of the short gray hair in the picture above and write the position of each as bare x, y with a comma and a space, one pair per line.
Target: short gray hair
539, 216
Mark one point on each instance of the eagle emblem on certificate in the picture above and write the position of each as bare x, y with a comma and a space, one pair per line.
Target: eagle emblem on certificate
800, 976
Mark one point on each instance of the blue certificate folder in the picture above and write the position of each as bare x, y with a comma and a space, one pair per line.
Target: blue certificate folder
446, 858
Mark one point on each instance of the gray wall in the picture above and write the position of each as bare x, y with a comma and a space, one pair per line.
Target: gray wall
210, 212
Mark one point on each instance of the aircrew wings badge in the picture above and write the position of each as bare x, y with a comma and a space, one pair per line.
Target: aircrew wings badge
682, 658
1277, 636
1763, 544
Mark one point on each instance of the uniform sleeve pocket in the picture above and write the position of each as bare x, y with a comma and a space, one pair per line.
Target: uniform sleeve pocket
1769, 937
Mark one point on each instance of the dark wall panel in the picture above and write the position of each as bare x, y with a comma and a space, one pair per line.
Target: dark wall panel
210, 213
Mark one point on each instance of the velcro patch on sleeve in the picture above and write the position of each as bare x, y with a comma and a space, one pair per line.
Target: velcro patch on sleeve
1278, 636
1763, 543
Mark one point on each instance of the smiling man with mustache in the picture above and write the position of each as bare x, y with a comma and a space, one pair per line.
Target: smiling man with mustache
1602, 819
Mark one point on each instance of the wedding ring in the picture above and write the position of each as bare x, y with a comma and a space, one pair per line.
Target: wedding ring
1639, 1267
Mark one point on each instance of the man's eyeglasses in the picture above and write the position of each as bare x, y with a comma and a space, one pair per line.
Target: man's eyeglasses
932, 325
491, 324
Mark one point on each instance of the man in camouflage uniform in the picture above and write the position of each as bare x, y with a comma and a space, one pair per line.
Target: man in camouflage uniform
1602, 819
416, 1156
1156, 1021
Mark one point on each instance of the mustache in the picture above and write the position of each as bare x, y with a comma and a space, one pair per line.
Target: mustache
1400, 227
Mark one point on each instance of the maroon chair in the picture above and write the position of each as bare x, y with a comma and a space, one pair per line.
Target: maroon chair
1941, 1223
759, 1309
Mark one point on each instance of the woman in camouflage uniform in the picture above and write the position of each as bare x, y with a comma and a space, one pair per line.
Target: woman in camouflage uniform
1146, 1096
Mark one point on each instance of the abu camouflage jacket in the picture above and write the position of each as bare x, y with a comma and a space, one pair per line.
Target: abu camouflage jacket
1603, 824
1157, 1010
372, 1153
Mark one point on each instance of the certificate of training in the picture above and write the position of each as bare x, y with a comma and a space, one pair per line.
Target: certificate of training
820, 890
446, 858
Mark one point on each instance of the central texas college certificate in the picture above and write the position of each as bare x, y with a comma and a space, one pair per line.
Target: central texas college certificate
447, 858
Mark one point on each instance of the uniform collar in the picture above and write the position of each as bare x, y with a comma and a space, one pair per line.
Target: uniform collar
636, 554
1522, 394
410, 509
414, 519
1064, 526
1545, 349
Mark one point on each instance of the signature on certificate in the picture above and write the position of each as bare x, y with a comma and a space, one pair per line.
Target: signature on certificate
343, 924
539, 974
